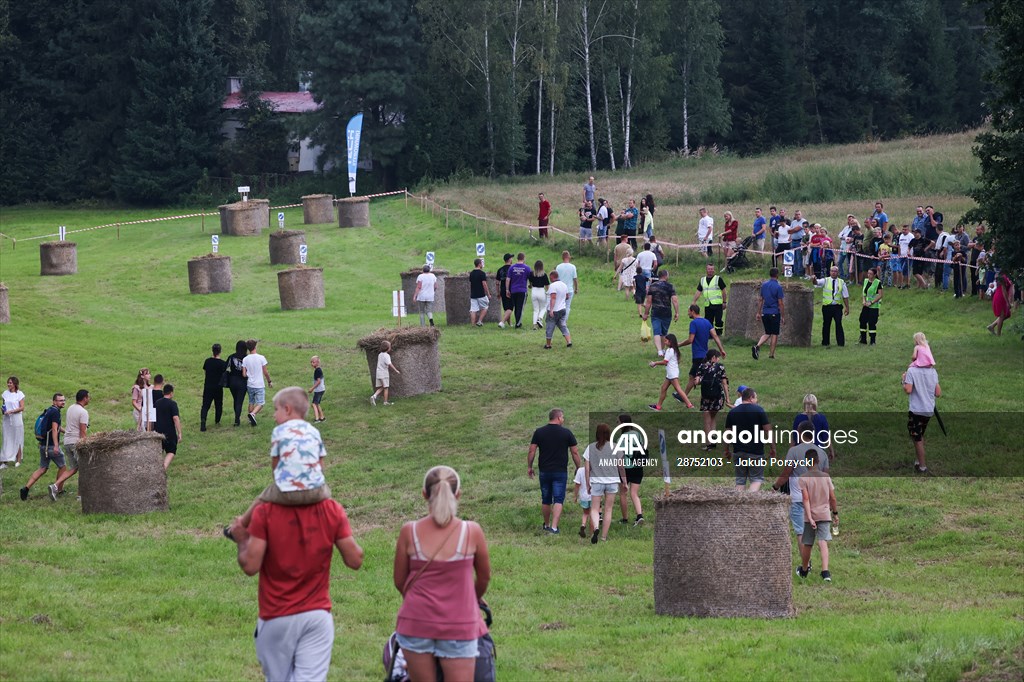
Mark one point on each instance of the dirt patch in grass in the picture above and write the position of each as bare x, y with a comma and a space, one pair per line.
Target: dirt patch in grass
557, 625
1005, 666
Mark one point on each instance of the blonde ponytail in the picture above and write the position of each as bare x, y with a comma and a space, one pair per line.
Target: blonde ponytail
441, 485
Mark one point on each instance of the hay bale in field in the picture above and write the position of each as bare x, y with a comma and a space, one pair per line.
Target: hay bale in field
416, 354
209, 274
245, 218
284, 246
5, 304
740, 317
317, 209
456, 299
409, 287
722, 553
354, 212
301, 288
58, 258
122, 472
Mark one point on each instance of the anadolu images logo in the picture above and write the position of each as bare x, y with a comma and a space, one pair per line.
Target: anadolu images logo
630, 440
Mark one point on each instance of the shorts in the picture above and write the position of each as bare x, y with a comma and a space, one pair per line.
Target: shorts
759, 244
552, 487
772, 324
729, 245
318, 396
916, 425
507, 303
660, 325
796, 515
440, 648
478, 304
822, 532
50, 454
170, 444
635, 476
383, 381
71, 455
294, 498
426, 306
599, 489
586, 233
257, 396
694, 365
602, 231
748, 473
919, 267
585, 504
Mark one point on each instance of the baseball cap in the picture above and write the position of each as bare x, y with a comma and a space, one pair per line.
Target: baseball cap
741, 389
506, 256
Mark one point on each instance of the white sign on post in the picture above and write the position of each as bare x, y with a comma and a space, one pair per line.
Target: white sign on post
303, 252
787, 258
480, 249
430, 259
62, 231
244, 191
787, 271
280, 219
214, 242
397, 304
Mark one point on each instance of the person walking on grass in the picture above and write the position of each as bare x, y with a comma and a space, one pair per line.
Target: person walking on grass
543, 215
581, 496
213, 392
517, 282
168, 423
557, 311
670, 359
714, 387
820, 511
13, 424
539, 282
701, 332
503, 293
479, 293
795, 467
49, 445
661, 302
318, 389
555, 443
871, 301
771, 310
1002, 303
921, 384
748, 457
78, 425
426, 283
603, 480
237, 383
567, 274
383, 373
634, 477
257, 377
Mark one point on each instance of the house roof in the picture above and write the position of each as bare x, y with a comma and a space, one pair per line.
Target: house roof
283, 102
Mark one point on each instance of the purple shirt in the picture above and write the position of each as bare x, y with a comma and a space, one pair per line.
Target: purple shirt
518, 276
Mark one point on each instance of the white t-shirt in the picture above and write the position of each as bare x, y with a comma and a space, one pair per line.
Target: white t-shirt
843, 234
784, 234
12, 401
602, 213
647, 260
600, 471
905, 240
942, 241
254, 364
705, 228
672, 368
560, 291
566, 274
383, 360
426, 281
581, 480
76, 416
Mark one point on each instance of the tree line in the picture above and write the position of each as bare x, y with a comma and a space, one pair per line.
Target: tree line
106, 99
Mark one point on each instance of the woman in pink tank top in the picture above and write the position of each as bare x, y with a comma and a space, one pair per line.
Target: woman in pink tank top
442, 569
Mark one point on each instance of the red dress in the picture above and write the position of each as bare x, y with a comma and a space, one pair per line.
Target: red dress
1000, 304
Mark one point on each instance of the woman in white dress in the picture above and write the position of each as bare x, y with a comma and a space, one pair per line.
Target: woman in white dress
14, 425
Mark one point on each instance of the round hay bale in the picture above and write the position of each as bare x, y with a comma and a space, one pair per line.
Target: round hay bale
209, 274
317, 209
5, 305
245, 218
722, 553
414, 351
409, 287
354, 212
284, 246
740, 317
301, 288
122, 472
58, 258
456, 299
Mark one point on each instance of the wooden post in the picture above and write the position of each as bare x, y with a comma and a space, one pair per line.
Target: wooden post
407, 198
677, 255
446, 217
119, 230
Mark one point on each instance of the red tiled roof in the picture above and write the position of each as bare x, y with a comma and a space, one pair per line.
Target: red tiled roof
284, 102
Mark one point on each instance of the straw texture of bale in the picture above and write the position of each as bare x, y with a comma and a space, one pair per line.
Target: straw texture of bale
245, 218
456, 299
740, 317
354, 212
317, 209
301, 288
5, 304
409, 287
284, 246
209, 274
722, 553
58, 258
414, 351
122, 472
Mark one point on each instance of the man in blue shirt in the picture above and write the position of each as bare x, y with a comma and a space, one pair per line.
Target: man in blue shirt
629, 222
880, 216
760, 225
771, 310
701, 331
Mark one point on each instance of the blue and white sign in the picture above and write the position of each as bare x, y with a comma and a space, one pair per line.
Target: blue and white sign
214, 242
352, 134
280, 219
303, 253
430, 258
787, 257
480, 249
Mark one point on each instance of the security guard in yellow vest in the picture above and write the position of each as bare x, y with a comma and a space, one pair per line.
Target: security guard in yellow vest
835, 302
872, 298
711, 292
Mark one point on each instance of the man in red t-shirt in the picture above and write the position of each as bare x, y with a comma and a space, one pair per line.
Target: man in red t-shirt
543, 213
291, 548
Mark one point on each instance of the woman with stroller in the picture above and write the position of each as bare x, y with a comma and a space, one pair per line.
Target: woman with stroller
441, 560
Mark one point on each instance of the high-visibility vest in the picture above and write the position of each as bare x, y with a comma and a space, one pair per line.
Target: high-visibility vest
871, 290
712, 290
832, 292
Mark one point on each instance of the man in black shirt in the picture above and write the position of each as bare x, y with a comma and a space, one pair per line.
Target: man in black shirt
479, 295
555, 442
213, 392
507, 306
168, 423
748, 457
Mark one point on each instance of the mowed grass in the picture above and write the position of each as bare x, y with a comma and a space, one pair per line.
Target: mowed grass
929, 573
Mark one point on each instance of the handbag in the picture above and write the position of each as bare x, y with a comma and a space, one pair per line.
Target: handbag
225, 379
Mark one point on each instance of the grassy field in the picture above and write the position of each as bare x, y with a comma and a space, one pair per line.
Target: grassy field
929, 573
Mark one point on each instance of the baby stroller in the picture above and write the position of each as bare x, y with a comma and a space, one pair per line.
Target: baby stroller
739, 256
394, 660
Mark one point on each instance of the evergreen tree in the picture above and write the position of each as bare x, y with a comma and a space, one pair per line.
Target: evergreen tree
236, 34
931, 71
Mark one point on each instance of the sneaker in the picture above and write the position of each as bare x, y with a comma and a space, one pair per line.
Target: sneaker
755, 352
677, 395
553, 531
24, 494
826, 576
519, 326
801, 572
623, 520
227, 533
545, 528
547, 347
593, 538
655, 408
373, 400
17, 464
479, 324
501, 325
252, 419
202, 427
583, 531
920, 469
568, 345
388, 404
639, 520
53, 491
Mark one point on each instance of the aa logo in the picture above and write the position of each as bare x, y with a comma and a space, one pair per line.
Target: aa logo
630, 440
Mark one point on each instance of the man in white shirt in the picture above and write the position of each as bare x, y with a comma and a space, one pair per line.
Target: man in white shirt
845, 240
797, 236
602, 222
558, 296
567, 273
254, 369
705, 230
647, 260
424, 295
77, 424
782, 241
903, 271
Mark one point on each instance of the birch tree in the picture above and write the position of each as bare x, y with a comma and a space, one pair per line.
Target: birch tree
700, 35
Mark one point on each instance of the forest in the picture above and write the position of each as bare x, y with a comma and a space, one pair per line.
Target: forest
104, 99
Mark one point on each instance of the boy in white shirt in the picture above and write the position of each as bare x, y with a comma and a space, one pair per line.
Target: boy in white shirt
383, 381
582, 496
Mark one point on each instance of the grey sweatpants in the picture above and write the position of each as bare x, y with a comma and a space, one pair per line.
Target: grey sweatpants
295, 648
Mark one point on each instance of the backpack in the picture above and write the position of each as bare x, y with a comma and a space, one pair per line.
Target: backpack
711, 385
42, 427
